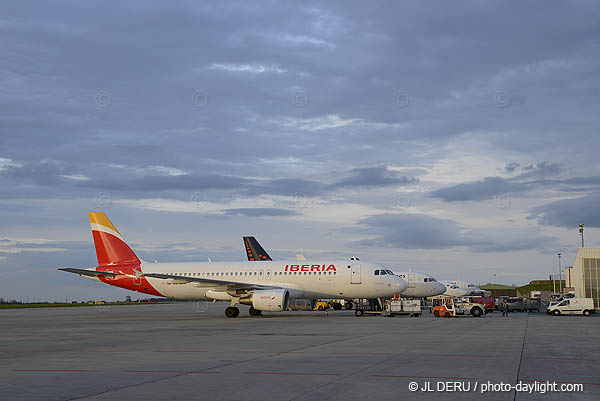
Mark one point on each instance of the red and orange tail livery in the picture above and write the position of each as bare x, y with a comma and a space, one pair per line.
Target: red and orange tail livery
111, 249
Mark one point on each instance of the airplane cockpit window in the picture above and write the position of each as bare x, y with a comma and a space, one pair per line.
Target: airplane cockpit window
383, 272
377, 272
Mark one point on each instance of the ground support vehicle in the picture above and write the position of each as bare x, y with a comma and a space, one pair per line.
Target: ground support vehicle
444, 306
489, 303
515, 305
573, 306
409, 307
532, 304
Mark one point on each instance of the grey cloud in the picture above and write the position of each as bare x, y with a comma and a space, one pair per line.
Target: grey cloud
411, 231
419, 231
259, 212
286, 187
499, 239
569, 213
485, 189
511, 167
532, 176
161, 183
542, 169
378, 176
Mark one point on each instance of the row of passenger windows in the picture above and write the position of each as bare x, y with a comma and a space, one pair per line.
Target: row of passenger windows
244, 274
425, 280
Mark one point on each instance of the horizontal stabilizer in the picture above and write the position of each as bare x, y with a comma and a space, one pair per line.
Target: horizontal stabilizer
89, 273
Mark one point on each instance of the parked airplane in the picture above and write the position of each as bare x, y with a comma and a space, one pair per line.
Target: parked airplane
460, 288
419, 284
265, 286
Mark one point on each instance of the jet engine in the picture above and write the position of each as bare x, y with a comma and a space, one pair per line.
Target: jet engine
268, 300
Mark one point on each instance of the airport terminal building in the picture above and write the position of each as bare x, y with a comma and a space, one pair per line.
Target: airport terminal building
586, 274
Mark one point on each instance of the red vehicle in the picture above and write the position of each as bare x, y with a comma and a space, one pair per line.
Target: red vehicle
489, 303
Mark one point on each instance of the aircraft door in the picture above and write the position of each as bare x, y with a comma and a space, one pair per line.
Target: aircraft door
411, 280
355, 273
261, 275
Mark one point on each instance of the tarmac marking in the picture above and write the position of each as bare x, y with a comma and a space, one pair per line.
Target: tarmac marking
292, 373
466, 356
426, 377
182, 350
561, 359
362, 353
54, 370
170, 371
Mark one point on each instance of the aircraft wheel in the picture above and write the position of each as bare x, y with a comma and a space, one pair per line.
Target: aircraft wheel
358, 312
254, 312
436, 313
349, 305
232, 311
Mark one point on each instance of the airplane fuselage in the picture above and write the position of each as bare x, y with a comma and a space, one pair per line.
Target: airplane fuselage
315, 280
420, 285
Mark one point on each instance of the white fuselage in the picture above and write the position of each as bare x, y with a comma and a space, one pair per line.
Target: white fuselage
421, 285
302, 280
458, 288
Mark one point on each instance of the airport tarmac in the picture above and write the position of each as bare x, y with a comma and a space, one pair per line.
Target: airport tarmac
190, 351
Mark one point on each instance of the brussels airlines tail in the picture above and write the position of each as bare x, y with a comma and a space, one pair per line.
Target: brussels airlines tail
254, 251
263, 285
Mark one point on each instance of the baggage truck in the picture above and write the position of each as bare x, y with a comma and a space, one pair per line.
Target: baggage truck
409, 307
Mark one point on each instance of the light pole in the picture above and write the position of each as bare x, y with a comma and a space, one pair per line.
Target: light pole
559, 275
581, 233
553, 275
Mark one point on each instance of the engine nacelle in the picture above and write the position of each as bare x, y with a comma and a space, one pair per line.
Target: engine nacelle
268, 300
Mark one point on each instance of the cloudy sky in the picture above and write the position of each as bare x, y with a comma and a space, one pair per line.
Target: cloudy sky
459, 140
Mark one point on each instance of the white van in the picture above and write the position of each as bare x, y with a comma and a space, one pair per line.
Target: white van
572, 306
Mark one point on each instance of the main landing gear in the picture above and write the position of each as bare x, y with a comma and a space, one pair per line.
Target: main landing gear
232, 311
254, 312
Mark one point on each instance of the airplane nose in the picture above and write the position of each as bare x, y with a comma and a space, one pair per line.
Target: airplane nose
401, 284
440, 289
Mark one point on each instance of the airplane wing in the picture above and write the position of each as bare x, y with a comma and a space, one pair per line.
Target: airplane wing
254, 251
89, 273
225, 284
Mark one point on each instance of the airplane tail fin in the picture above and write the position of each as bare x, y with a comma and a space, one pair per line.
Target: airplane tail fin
110, 247
254, 251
